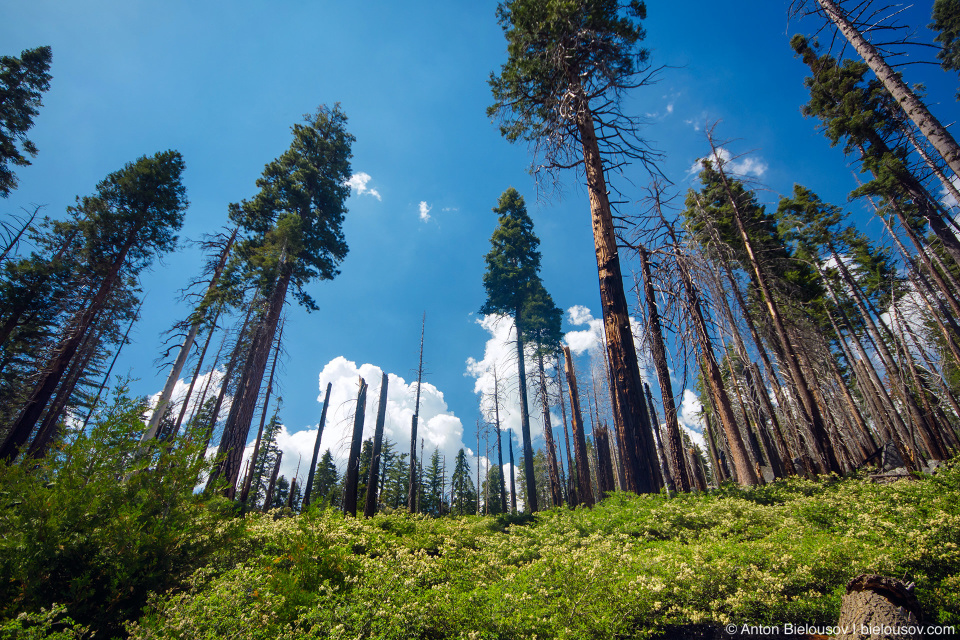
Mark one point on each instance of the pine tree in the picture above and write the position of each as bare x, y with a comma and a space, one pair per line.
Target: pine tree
569, 65
294, 235
464, 494
324, 480
513, 264
134, 216
22, 83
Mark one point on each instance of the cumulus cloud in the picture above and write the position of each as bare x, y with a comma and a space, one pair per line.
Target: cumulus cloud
208, 383
744, 166
358, 182
691, 417
590, 339
437, 426
425, 210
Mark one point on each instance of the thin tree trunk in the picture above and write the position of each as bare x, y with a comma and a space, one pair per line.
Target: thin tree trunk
513, 479
316, 447
352, 475
185, 350
370, 505
496, 424
916, 110
584, 490
571, 484
412, 491
556, 492
267, 499
528, 471
659, 354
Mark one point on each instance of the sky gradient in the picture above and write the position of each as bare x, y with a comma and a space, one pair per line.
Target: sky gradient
222, 82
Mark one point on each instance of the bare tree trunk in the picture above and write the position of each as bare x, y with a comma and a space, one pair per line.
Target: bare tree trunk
528, 471
496, 424
556, 492
659, 354
185, 350
513, 479
584, 490
267, 499
245, 491
624, 370
604, 461
245, 399
351, 478
916, 110
316, 447
370, 506
412, 491
571, 483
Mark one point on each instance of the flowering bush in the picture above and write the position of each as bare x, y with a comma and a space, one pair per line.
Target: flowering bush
768, 555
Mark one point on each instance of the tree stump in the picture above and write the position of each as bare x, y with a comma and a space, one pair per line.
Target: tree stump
876, 608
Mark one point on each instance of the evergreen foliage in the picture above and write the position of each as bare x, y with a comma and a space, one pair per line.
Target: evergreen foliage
22, 83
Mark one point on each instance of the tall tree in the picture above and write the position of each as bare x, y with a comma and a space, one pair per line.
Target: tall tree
570, 64
541, 322
463, 497
294, 235
513, 264
22, 83
914, 108
134, 216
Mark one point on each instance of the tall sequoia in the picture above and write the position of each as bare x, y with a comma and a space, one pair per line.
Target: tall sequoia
569, 65
134, 216
511, 277
294, 235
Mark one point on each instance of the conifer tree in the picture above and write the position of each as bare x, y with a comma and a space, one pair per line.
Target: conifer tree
22, 83
463, 499
513, 264
134, 216
294, 235
569, 65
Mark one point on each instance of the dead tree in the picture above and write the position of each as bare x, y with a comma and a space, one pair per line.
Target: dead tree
370, 506
413, 491
316, 447
584, 490
352, 474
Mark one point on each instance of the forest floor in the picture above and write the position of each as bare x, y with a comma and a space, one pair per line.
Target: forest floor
632, 566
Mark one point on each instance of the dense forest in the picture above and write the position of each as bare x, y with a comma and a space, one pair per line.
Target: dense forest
822, 351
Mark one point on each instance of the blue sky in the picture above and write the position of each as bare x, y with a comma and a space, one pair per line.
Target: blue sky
222, 82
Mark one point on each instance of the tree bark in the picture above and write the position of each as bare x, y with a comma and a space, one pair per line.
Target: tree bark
873, 602
556, 492
351, 479
584, 490
659, 354
639, 470
412, 490
185, 350
316, 447
528, 471
370, 505
916, 110
53, 371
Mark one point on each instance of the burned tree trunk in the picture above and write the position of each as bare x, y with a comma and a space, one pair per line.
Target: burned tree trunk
267, 499
370, 506
875, 606
556, 491
316, 448
412, 490
584, 490
604, 461
352, 476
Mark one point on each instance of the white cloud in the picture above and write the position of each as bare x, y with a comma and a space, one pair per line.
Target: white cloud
437, 425
591, 339
358, 182
425, 210
208, 382
946, 197
744, 166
